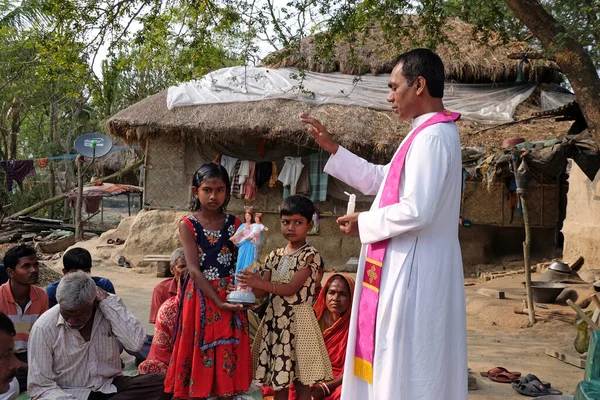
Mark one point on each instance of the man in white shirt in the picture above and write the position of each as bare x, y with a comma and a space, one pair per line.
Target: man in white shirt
407, 335
74, 348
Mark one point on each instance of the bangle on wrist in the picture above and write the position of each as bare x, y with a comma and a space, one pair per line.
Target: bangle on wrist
325, 389
273, 290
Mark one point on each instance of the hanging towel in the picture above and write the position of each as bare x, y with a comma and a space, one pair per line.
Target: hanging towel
17, 170
291, 172
236, 189
263, 173
229, 164
244, 172
273, 180
250, 189
303, 186
42, 162
318, 178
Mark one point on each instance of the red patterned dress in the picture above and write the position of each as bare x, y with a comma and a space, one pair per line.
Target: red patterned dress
211, 354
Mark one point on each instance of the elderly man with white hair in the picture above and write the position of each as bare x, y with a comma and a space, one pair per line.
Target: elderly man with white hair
74, 348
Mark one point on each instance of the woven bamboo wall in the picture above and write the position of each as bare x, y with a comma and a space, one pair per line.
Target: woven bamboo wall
493, 207
166, 186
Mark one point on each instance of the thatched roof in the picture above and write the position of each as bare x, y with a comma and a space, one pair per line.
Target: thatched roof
370, 133
116, 160
466, 61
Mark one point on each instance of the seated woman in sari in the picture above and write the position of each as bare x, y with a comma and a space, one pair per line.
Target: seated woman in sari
333, 307
158, 358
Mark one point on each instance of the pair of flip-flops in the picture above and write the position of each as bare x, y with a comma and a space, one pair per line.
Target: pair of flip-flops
501, 375
119, 241
532, 386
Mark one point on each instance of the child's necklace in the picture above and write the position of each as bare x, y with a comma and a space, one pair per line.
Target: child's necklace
285, 261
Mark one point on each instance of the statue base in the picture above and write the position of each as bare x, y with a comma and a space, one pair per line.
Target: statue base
246, 298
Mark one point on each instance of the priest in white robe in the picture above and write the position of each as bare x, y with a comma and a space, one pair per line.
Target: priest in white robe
420, 325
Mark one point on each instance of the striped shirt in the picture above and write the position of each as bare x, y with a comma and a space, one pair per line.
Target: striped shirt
62, 365
23, 319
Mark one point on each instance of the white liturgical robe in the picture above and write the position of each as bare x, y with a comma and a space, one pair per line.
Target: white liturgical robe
420, 335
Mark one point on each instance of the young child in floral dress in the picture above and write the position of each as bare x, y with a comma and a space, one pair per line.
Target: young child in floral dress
289, 346
211, 354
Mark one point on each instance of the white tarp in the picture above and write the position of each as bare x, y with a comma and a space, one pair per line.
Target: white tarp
487, 103
551, 100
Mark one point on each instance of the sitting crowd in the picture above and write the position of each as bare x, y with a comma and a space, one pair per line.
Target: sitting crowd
66, 342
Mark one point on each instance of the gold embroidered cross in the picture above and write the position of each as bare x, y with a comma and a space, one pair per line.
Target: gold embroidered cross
372, 274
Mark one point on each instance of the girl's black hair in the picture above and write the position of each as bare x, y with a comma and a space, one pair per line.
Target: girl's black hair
211, 171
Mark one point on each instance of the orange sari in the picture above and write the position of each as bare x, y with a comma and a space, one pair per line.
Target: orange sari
335, 337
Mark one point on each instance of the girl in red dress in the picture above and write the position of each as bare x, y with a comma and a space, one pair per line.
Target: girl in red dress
211, 354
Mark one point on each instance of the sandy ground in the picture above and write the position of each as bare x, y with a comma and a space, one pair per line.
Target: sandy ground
496, 335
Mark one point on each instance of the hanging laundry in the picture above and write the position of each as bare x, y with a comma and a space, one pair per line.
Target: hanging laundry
236, 189
261, 147
263, 173
318, 178
291, 172
273, 180
42, 162
250, 189
17, 170
303, 187
229, 163
244, 172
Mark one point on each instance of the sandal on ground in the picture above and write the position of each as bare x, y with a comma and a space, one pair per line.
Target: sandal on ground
504, 377
110, 241
534, 388
531, 377
499, 370
119, 241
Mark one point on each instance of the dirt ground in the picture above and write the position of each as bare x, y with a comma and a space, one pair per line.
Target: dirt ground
496, 335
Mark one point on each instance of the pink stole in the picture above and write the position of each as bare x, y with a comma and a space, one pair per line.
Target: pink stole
369, 298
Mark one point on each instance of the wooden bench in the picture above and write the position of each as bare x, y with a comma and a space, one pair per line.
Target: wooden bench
163, 264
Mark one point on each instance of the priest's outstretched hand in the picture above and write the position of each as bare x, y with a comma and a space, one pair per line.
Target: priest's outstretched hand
349, 224
320, 133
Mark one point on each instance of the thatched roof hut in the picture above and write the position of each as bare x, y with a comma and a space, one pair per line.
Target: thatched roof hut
466, 60
373, 134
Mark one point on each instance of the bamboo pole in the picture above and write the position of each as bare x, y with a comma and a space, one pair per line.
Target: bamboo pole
79, 206
526, 249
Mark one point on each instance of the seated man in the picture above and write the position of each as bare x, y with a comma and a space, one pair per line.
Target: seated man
78, 259
168, 287
22, 301
74, 353
9, 386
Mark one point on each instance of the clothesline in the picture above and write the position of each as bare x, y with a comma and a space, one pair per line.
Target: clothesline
18, 170
298, 175
73, 156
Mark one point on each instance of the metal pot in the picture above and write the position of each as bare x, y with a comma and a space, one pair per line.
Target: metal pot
560, 266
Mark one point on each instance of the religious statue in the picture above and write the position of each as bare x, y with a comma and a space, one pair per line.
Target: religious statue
247, 238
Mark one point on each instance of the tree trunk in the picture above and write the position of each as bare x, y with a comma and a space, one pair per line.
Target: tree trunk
574, 61
15, 125
52, 189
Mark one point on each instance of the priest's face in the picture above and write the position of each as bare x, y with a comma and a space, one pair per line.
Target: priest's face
402, 96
